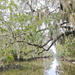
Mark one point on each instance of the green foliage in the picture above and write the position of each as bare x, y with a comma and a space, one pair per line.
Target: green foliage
9, 58
2, 29
51, 28
19, 27
68, 48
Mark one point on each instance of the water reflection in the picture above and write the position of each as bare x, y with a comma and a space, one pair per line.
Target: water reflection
62, 68
53, 68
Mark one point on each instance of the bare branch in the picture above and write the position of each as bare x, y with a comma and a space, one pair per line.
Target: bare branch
64, 23
67, 27
66, 33
30, 7
42, 30
47, 42
36, 45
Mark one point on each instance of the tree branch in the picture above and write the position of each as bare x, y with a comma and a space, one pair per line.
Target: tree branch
66, 34
42, 30
64, 23
47, 42
30, 7
36, 45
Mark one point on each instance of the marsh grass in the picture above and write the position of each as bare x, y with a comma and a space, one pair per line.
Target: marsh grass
29, 68
68, 68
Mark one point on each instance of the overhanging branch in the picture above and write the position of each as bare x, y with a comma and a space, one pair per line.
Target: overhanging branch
57, 38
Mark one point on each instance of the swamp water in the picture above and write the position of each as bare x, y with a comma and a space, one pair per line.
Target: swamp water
49, 66
55, 67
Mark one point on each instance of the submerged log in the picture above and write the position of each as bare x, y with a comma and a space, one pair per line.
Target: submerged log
32, 58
